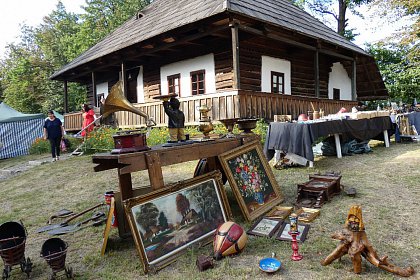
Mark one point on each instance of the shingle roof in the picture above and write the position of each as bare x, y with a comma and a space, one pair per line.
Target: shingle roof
165, 15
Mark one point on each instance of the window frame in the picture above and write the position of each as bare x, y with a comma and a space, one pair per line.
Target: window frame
278, 75
197, 91
173, 78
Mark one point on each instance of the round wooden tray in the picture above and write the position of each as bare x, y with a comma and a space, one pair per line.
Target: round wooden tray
165, 97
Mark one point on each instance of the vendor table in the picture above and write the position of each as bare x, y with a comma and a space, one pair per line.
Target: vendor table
298, 138
158, 156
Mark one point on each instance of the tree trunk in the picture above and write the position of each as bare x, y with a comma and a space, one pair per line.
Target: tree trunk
342, 7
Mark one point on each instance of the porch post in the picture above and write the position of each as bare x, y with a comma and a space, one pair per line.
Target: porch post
66, 98
353, 81
316, 66
235, 52
123, 78
94, 90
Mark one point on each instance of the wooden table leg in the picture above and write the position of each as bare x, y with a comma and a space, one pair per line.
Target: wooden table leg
386, 139
338, 145
155, 170
126, 190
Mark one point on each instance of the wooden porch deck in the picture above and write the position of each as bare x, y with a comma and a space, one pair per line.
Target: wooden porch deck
235, 104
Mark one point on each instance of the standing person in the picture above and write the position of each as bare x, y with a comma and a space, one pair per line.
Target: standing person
53, 131
88, 118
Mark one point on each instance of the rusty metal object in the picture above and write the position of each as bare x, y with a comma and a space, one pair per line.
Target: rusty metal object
204, 262
12, 248
54, 251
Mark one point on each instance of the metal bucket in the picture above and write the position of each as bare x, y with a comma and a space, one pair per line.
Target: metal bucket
12, 243
54, 251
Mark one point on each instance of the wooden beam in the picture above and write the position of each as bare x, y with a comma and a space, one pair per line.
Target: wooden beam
275, 37
331, 53
316, 71
66, 98
235, 53
124, 78
94, 90
353, 81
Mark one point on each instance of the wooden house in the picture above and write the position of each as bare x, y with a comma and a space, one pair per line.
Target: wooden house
245, 58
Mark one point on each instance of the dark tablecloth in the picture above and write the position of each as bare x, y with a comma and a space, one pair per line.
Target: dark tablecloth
414, 119
298, 138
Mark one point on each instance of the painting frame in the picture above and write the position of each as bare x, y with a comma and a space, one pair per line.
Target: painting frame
163, 252
265, 232
280, 212
307, 215
258, 181
285, 227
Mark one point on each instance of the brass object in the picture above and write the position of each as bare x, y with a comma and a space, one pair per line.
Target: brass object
247, 125
307, 215
116, 101
229, 124
205, 125
280, 212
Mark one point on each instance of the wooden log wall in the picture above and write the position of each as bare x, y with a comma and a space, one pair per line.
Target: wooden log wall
302, 66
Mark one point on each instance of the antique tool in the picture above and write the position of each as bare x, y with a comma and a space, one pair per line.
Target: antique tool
65, 222
354, 241
63, 213
204, 262
54, 252
12, 248
77, 226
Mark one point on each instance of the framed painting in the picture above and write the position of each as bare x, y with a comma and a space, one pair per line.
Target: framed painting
283, 233
166, 222
251, 179
280, 212
265, 227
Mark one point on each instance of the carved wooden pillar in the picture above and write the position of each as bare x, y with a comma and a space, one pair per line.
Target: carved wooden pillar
94, 94
353, 81
235, 56
316, 71
66, 98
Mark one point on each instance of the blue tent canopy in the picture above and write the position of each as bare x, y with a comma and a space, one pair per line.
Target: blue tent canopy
18, 131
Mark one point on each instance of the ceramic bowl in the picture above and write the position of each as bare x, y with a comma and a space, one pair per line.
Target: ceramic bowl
269, 265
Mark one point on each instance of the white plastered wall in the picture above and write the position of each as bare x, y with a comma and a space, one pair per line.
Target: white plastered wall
269, 64
338, 78
184, 68
102, 88
140, 86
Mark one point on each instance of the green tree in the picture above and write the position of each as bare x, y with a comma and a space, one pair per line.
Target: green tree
401, 75
328, 8
163, 221
147, 216
206, 198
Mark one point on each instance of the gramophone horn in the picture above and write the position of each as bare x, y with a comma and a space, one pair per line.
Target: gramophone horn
116, 101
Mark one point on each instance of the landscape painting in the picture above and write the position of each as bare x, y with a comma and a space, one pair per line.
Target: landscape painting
172, 220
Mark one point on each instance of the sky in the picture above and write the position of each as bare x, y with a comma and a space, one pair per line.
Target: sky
13, 13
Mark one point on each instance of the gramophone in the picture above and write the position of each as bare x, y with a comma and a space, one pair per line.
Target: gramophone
129, 140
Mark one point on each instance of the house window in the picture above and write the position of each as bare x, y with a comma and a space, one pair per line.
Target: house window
277, 82
197, 82
336, 94
174, 84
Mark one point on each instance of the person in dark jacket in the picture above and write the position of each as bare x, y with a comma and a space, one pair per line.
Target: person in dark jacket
176, 120
53, 131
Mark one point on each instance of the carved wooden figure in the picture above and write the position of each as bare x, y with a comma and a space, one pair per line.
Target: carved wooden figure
354, 242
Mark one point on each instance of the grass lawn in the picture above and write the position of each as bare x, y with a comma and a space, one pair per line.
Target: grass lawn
387, 181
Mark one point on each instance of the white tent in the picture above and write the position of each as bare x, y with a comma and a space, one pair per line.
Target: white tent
18, 131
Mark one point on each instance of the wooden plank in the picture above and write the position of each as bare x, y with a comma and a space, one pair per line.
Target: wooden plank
155, 170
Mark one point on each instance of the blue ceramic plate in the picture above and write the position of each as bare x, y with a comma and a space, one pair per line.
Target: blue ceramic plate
269, 265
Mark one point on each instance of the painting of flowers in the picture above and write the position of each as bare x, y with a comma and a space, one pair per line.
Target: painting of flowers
251, 179
166, 222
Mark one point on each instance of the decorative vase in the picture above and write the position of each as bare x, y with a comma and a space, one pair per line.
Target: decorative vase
205, 125
259, 197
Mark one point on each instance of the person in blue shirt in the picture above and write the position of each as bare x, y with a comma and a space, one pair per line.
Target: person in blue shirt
54, 132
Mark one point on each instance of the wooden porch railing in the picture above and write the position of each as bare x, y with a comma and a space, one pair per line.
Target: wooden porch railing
225, 105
